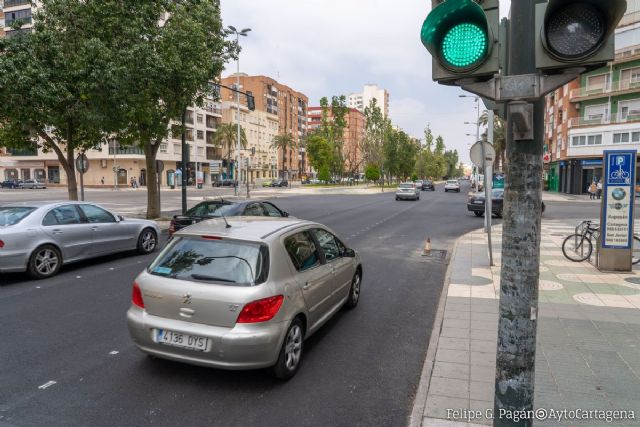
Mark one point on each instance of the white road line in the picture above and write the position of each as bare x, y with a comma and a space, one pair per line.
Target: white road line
46, 385
78, 277
114, 352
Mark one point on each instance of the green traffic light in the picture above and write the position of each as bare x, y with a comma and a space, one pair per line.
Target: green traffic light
464, 45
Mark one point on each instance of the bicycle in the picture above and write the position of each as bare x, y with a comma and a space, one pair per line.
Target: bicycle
578, 246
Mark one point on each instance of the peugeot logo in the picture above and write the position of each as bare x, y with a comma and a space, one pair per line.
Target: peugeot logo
186, 299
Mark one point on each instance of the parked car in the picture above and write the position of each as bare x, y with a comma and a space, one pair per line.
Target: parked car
11, 183
65, 232
452, 185
475, 203
245, 296
280, 183
217, 208
407, 190
428, 185
418, 184
32, 183
267, 183
225, 183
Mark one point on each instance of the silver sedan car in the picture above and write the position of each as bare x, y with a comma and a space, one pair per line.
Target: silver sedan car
40, 237
243, 293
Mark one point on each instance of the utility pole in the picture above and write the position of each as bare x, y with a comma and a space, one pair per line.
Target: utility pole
518, 318
185, 158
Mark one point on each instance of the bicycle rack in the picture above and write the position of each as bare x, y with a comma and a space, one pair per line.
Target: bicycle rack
594, 238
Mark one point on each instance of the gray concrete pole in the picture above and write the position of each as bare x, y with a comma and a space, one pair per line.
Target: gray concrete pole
515, 362
237, 177
185, 152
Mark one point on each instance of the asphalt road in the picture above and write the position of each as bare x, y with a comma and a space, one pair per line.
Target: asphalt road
66, 358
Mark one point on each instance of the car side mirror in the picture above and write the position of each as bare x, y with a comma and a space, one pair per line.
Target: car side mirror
120, 218
285, 214
350, 253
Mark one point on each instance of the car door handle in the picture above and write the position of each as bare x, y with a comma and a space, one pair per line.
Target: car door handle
57, 231
306, 286
94, 228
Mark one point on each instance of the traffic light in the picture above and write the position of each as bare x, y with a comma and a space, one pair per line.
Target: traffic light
251, 101
577, 33
462, 37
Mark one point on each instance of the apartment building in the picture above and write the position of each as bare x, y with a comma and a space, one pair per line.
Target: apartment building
112, 164
258, 159
274, 98
14, 10
360, 101
597, 112
352, 137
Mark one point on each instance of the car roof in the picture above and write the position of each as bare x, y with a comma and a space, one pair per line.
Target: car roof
44, 204
244, 227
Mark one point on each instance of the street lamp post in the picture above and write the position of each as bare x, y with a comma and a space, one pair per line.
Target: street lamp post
243, 33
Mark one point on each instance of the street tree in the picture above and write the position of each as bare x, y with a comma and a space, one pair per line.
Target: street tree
319, 151
283, 142
375, 127
226, 137
499, 141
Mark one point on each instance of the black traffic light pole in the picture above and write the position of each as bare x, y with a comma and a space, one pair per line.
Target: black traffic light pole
515, 361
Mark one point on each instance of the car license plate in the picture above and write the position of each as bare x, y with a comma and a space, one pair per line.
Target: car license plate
177, 339
478, 202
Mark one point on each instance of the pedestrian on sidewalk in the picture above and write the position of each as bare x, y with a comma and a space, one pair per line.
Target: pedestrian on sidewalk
102, 180
599, 189
592, 191
131, 182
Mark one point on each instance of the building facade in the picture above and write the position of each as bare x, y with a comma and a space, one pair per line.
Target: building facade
114, 165
14, 10
274, 98
353, 136
360, 101
599, 111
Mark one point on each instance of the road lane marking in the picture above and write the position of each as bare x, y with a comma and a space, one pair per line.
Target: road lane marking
114, 352
46, 385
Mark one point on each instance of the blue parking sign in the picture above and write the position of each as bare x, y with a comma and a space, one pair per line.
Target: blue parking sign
620, 170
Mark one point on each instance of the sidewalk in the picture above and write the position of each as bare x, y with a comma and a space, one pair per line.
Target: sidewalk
588, 344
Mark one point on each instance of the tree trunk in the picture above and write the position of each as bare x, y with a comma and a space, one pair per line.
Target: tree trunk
66, 161
153, 196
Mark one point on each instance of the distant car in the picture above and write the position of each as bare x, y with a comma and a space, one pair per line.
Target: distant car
407, 190
32, 183
452, 185
475, 203
243, 295
418, 184
267, 183
218, 208
428, 185
65, 232
225, 183
280, 183
12, 183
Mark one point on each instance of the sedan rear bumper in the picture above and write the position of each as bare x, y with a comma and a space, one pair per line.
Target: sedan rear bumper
245, 346
472, 207
13, 262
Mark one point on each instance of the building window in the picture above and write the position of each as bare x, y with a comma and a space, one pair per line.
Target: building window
596, 113
200, 118
629, 78
629, 110
163, 148
635, 136
598, 83
578, 141
200, 134
594, 140
621, 138
177, 149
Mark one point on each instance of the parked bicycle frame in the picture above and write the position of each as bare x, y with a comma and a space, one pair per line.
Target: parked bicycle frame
579, 246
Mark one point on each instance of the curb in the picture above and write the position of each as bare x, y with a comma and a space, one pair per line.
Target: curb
420, 400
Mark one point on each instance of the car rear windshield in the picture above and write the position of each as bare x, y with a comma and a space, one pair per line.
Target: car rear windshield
452, 182
203, 259
406, 185
213, 209
13, 215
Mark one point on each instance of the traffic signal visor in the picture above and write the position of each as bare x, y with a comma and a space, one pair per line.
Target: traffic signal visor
457, 34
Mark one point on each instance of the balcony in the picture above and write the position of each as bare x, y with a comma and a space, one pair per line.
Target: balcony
627, 19
127, 150
27, 20
632, 117
619, 87
23, 152
213, 122
213, 110
14, 3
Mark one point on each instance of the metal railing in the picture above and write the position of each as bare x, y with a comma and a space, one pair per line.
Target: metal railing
604, 120
13, 3
609, 88
594, 237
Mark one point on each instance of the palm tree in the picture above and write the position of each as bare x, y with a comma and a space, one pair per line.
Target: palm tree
499, 143
226, 136
283, 142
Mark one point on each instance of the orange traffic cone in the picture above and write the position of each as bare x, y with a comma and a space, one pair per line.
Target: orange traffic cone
427, 248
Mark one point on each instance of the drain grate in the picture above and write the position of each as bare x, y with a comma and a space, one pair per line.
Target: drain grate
437, 254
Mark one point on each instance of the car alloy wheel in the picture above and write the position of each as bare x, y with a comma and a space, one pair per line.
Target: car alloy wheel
147, 241
44, 262
354, 292
291, 352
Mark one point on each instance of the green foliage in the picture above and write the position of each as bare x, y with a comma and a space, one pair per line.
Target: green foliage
499, 141
283, 142
451, 162
226, 137
319, 151
323, 174
414, 176
374, 133
372, 173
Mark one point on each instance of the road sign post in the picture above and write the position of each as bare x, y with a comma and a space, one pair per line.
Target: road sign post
82, 166
615, 246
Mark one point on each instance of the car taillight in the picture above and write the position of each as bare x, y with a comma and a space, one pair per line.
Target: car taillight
172, 227
1, 244
261, 310
136, 297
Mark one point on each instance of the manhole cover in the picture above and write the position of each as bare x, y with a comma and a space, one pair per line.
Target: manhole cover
436, 253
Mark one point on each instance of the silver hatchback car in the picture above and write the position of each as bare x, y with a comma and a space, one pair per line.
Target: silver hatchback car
242, 293
39, 237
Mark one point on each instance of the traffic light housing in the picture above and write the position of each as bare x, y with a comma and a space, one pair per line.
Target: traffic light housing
251, 101
576, 34
462, 37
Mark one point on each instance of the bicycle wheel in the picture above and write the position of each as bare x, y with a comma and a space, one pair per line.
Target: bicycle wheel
577, 248
635, 256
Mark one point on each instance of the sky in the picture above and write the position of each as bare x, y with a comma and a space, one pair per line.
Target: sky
335, 47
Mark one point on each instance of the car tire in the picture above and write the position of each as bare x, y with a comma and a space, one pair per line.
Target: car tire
291, 352
397, 198
147, 241
44, 262
354, 291
478, 213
